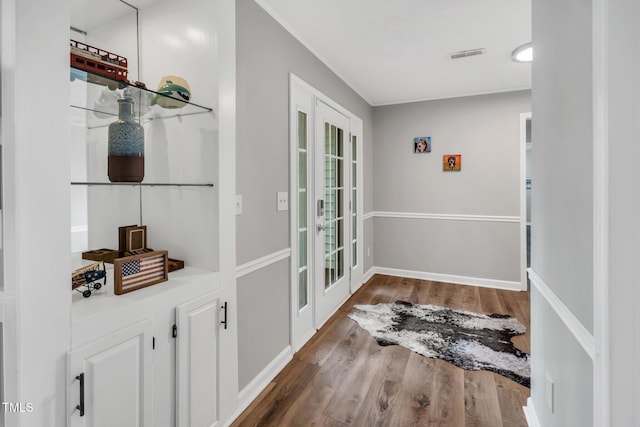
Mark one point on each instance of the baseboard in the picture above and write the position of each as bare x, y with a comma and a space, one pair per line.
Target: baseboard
368, 275
530, 414
249, 393
451, 278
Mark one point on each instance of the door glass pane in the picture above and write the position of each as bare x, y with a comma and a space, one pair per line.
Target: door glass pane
303, 293
334, 140
302, 245
354, 202
335, 206
302, 130
302, 169
302, 209
303, 299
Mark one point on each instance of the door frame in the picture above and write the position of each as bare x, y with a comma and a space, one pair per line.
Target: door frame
523, 199
298, 87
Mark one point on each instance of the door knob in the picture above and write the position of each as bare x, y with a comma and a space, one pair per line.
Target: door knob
319, 228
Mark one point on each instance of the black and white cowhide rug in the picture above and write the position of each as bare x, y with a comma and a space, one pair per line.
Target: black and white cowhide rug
468, 340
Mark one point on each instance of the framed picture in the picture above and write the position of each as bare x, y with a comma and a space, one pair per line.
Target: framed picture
422, 144
139, 271
451, 162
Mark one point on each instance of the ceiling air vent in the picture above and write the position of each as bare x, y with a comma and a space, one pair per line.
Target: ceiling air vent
467, 53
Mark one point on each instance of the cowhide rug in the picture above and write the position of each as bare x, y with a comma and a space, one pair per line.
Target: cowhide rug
468, 340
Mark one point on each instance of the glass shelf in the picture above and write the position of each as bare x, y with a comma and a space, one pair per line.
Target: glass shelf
100, 96
143, 184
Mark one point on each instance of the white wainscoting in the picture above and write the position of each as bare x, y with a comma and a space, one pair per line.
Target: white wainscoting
448, 217
582, 335
265, 261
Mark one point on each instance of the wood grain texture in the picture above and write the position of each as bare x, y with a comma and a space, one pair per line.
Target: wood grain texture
342, 377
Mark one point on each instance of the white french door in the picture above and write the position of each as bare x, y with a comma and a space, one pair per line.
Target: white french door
332, 215
326, 213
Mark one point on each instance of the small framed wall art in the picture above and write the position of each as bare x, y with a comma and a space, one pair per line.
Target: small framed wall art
422, 144
451, 162
139, 271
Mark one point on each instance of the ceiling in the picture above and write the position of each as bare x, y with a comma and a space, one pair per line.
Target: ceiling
396, 51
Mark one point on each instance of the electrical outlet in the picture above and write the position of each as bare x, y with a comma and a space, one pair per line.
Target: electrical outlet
549, 391
368, 250
283, 201
238, 204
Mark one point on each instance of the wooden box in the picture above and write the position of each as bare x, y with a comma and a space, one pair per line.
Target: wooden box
106, 255
175, 264
132, 238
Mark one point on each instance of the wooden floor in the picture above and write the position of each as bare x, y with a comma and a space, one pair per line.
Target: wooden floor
342, 377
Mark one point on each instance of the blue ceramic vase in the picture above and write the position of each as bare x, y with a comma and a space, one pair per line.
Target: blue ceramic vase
126, 144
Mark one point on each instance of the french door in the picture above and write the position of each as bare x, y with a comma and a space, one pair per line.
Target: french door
326, 226
332, 214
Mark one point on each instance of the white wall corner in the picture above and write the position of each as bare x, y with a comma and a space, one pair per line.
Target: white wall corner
530, 414
368, 274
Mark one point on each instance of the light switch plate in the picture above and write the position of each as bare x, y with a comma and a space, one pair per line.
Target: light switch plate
283, 201
549, 392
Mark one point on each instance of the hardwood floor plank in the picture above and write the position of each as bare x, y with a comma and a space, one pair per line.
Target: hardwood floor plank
342, 377
481, 400
511, 398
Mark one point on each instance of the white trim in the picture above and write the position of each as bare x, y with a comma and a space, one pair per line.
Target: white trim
303, 340
368, 215
251, 391
368, 275
260, 263
530, 414
462, 95
447, 217
600, 98
297, 81
263, 4
581, 334
523, 198
450, 278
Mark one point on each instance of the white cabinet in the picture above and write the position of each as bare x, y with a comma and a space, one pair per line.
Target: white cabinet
111, 379
162, 371
198, 323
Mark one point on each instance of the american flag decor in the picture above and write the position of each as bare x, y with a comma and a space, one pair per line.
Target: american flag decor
137, 271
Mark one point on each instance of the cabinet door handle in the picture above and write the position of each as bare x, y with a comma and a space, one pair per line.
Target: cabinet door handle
224, 322
80, 407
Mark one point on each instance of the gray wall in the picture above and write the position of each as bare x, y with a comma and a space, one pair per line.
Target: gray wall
624, 209
266, 54
486, 131
562, 209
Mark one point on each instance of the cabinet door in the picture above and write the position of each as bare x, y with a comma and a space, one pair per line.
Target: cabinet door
198, 322
111, 378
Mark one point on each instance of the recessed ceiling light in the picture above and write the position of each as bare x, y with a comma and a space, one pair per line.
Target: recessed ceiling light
523, 53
